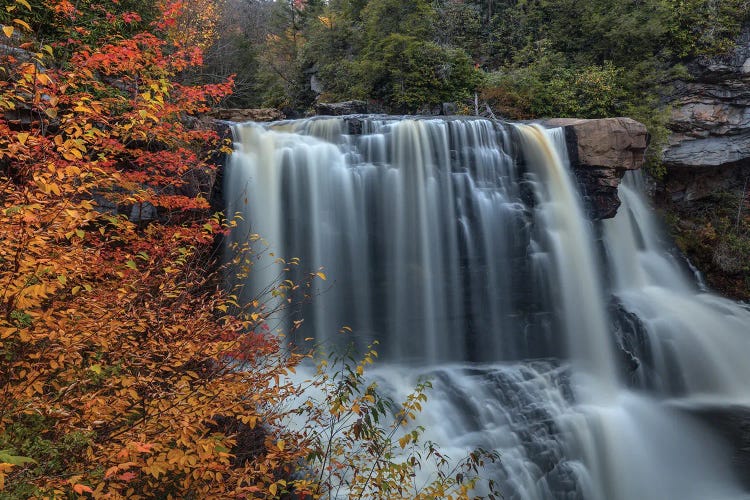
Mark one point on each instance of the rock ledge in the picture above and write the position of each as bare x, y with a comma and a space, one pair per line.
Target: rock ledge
601, 151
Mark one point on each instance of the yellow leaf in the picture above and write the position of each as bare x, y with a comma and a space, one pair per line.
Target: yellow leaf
22, 137
43, 79
7, 332
404, 441
8, 30
280, 444
24, 3
273, 488
23, 24
51, 112
321, 275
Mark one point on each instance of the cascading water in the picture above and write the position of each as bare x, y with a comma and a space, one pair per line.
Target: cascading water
461, 246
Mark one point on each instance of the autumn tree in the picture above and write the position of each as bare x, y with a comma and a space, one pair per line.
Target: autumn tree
119, 374
128, 369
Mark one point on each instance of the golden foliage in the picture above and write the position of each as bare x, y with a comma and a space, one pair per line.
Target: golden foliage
126, 369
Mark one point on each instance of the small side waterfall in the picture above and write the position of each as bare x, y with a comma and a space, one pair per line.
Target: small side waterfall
693, 344
461, 246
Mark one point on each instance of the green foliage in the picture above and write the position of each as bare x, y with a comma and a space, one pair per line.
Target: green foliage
389, 51
382, 18
545, 57
547, 87
459, 25
704, 26
616, 59
406, 73
30, 436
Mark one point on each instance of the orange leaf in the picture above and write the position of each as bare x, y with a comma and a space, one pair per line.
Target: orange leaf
82, 488
127, 476
143, 447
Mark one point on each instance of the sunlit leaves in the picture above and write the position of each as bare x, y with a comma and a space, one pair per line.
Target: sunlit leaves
107, 325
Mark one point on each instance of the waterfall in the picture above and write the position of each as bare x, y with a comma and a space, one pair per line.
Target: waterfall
461, 245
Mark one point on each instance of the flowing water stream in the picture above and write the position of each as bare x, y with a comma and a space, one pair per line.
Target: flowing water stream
576, 350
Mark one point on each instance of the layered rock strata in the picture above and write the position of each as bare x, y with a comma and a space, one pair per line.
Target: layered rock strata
710, 124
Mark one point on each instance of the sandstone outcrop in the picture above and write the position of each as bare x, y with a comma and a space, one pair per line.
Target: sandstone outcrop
600, 152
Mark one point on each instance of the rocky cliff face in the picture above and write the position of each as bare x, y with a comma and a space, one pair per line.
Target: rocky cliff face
705, 189
711, 124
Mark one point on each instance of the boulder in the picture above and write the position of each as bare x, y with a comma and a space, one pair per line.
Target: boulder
617, 143
600, 152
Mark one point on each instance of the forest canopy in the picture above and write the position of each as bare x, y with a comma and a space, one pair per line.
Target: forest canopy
524, 58
611, 57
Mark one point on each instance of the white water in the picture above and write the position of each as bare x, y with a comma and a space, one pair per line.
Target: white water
462, 246
698, 341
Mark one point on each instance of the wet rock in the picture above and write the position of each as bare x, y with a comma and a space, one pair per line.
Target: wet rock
142, 212
341, 108
449, 108
733, 424
614, 143
248, 115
